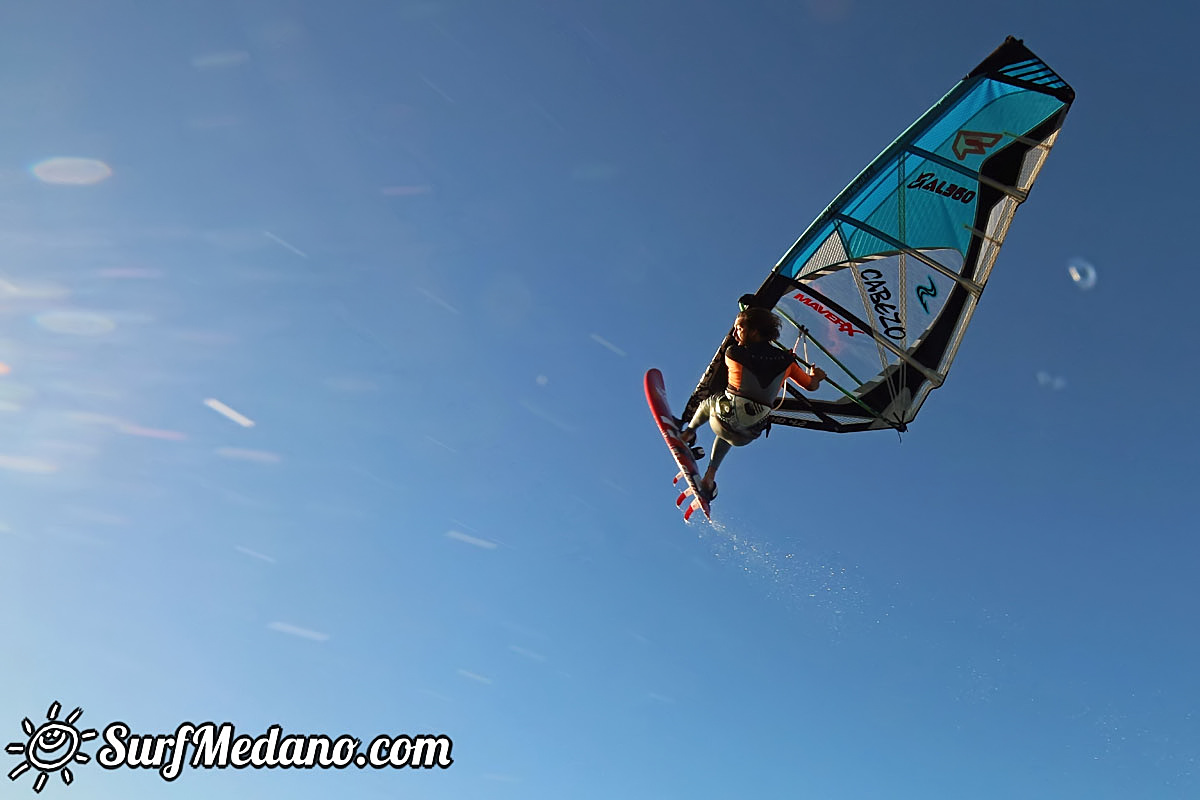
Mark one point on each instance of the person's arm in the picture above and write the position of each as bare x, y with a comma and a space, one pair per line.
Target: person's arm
807, 381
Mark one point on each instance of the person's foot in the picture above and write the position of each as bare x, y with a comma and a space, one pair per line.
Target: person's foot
688, 436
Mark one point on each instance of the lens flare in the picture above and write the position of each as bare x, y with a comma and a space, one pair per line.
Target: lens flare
75, 323
66, 171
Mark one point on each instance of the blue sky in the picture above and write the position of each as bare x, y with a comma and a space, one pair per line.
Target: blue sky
427, 250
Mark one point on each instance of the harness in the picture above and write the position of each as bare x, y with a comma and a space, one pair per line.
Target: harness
742, 414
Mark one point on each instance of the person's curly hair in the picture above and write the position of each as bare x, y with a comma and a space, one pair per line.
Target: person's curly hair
762, 320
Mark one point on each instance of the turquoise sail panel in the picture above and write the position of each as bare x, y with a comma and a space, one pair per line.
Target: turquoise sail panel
880, 288
903, 193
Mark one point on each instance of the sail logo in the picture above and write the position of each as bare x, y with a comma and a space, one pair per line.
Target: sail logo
926, 291
889, 315
930, 182
842, 325
974, 143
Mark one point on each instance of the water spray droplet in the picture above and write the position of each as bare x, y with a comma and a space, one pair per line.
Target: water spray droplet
1082, 272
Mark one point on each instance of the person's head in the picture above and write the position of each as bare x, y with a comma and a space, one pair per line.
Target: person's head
756, 325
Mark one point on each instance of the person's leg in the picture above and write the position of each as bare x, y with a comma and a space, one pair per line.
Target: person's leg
708, 482
728, 437
703, 411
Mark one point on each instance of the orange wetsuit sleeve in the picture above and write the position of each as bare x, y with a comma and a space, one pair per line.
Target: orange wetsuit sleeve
796, 373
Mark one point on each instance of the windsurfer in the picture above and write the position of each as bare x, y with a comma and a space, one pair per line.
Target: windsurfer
757, 372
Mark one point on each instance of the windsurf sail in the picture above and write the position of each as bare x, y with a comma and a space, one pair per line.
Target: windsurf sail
880, 288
